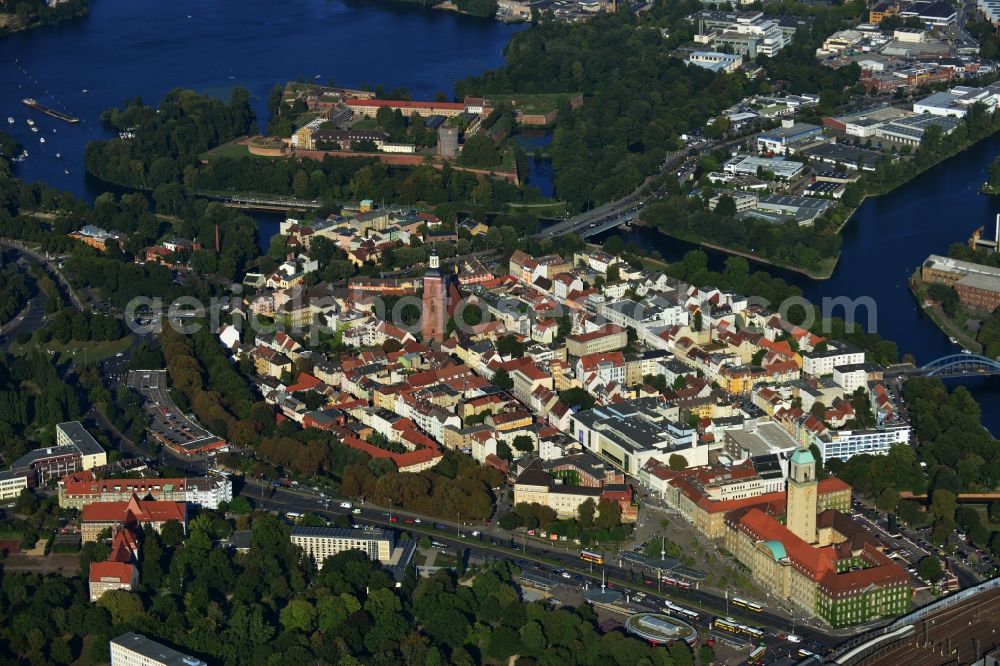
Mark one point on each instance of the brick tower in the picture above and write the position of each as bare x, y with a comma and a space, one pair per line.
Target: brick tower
435, 302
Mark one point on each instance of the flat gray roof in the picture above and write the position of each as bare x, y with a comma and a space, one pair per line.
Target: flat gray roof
763, 439
342, 533
80, 437
156, 652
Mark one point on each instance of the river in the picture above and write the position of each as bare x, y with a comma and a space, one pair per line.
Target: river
884, 242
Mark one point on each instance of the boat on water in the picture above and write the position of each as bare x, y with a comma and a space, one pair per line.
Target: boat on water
41, 139
84, 91
953, 340
58, 155
35, 130
30, 122
58, 115
10, 120
66, 171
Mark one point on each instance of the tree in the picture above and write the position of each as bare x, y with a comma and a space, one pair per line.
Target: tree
929, 568
946, 296
298, 615
943, 504
501, 379
585, 514
123, 606
726, 206
241, 505
609, 514
171, 534
524, 443
27, 503
697, 323
677, 462
887, 500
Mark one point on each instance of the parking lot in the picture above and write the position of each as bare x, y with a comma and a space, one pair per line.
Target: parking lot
169, 425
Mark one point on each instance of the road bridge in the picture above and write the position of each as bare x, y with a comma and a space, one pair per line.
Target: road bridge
615, 213
960, 365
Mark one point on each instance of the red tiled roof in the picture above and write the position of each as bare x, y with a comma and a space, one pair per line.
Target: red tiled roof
406, 104
305, 382
603, 331
120, 571
814, 561
135, 509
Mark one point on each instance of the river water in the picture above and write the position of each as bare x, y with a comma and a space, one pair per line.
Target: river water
144, 48
128, 48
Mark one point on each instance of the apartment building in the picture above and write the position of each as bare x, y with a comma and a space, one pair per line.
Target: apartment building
74, 434
12, 484
607, 338
819, 362
80, 489
319, 543
132, 649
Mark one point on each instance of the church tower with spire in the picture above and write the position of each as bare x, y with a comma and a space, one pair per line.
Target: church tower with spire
435, 309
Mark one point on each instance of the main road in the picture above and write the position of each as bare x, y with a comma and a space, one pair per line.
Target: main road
617, 212
496, 543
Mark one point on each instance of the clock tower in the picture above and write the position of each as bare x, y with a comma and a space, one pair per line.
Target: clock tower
434, 315
802, 498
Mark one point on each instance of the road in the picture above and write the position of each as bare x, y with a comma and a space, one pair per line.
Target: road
51, 265
624, 209
496, 543
31, 317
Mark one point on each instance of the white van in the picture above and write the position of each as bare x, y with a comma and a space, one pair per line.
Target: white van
345, 505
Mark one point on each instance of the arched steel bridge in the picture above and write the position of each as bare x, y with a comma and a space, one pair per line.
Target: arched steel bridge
961, 365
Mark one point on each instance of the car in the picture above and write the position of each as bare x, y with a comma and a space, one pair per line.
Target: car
408, 521
393, 519
417, 520
566, 574
119, 355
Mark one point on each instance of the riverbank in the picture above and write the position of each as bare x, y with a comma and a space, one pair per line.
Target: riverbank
64, 11
890, 178
823, 274
948, 326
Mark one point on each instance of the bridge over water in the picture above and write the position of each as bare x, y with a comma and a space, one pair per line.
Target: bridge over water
960, 365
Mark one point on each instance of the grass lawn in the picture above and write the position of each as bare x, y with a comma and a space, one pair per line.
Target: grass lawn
445, 561
365, 124
234, 150
91, 351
